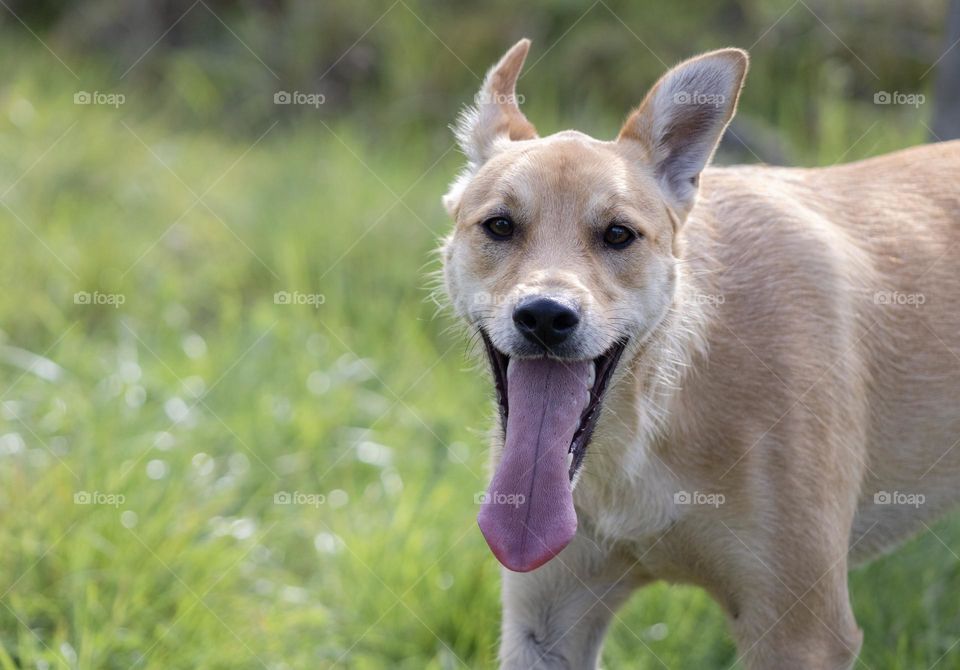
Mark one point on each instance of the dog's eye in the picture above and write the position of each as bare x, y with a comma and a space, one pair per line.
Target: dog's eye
617, 236
499, 227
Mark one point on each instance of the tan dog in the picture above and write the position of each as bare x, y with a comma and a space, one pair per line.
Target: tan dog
776, 352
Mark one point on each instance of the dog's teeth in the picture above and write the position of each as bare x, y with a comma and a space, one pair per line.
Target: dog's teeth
592, 377
569, 459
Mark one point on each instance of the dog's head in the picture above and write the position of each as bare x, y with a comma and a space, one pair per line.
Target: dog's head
563, 253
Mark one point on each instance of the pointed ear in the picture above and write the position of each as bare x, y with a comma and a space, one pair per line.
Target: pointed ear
680, 122
495, 117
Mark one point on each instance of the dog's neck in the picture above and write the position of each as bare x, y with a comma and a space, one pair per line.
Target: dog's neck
677, 345
624, 471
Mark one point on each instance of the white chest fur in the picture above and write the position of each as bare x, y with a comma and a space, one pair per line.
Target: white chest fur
624, 490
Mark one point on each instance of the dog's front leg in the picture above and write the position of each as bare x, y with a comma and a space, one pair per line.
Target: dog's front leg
557, 615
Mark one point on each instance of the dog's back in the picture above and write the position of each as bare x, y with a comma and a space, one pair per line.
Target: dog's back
837, 312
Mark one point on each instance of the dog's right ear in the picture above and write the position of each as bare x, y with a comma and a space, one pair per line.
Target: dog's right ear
494, 118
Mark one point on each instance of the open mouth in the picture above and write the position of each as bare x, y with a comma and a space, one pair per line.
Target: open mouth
548, 411
603, 368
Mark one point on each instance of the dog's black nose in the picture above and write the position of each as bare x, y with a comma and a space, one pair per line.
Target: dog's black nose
544, 321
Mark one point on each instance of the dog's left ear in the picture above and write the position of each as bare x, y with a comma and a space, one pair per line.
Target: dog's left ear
682, 119
495, 118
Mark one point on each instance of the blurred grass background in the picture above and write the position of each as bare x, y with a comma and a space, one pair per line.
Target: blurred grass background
145, 447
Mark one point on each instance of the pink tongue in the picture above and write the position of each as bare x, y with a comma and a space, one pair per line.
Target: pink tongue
528, 516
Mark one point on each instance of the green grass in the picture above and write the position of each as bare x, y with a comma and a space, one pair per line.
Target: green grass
199, 399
